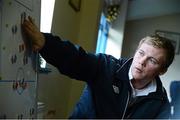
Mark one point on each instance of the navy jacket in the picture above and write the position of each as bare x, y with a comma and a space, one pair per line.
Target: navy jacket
108, 80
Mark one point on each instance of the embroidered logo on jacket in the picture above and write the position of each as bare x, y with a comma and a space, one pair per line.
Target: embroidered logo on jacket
116, 89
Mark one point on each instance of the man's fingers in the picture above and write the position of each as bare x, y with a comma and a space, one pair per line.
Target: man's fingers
27, 27
31, 20
30, 27
33, 33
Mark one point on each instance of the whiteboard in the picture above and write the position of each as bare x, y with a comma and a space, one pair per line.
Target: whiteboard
18, 64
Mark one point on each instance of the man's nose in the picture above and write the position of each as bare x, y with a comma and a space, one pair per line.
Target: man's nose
143, 60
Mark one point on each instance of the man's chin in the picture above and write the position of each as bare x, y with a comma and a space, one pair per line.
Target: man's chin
138, 76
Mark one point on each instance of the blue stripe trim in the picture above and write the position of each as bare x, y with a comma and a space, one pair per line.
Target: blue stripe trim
15, 80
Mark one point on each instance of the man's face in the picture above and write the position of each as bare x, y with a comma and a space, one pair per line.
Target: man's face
148, 61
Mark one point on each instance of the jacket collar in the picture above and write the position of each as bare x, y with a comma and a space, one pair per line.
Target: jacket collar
160, 92
122, 71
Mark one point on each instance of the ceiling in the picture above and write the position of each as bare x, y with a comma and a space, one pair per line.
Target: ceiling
139, 9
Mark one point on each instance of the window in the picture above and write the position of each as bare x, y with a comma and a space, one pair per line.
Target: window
102, 35
47, 9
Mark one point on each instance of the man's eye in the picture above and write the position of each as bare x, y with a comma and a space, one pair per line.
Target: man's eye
153, 61
141, 53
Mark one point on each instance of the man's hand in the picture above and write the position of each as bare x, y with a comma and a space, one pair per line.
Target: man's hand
33, 33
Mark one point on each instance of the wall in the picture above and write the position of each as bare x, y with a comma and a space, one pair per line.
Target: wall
88, 30
139, 9
116, 32
137, 29
58, 92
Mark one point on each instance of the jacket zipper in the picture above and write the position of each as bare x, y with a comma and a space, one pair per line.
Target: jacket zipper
127, 102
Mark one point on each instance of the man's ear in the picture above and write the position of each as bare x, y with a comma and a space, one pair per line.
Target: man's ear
164, 70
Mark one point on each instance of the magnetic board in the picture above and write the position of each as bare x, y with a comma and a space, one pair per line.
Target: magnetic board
18, 64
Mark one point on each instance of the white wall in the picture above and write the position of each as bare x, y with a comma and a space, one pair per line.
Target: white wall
137, 29
58, 92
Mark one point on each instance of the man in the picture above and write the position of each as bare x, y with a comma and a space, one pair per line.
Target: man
120, 88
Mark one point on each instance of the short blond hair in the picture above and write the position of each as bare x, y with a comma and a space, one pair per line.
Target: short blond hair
161, 42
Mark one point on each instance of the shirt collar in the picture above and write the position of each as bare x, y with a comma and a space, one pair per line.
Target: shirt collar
130, 73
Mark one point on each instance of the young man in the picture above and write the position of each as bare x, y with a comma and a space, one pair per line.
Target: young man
120, 88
